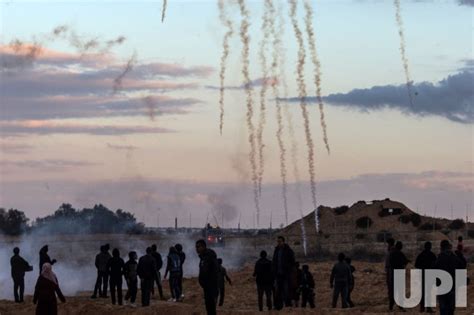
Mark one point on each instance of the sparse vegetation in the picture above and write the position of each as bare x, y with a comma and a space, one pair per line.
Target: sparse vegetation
470, 233
364, 222
457, 224
415, 219
430, 226
360, 236
405, 219
341, 210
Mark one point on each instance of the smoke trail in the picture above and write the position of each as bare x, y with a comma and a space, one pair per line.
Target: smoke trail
163, 10
317, 68
291, 130
59, 30
128, 67
151, 106
248, 90
402, 50
225, 53
263, 91
304, 110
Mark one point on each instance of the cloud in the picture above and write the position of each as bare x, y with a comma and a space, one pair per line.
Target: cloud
451, 98
255, 83
41, 127
47, 165
466, 2
15, 148
121, 147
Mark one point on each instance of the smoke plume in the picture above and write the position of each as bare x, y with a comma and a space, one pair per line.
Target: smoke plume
248, 90
317, 67
151, 106
227, 23
163, 10
222, 208
302, 96
402, 50
128, 67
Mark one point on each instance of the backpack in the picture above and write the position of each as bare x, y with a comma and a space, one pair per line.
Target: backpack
175, 263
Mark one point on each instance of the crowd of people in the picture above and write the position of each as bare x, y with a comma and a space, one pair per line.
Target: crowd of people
280, 280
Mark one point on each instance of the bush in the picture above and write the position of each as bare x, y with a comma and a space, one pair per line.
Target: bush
415, 219
430, 226
360, 236
385, 212
405, 219
341, 210
13, 222
383, 236
457, 224
364, 222
470, 233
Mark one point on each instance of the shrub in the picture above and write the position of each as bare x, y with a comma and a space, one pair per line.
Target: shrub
364, 222
405, 219
360, 236
430, 226
470, 233
383, 236
384, 212
415, 219
341, 210
457, 224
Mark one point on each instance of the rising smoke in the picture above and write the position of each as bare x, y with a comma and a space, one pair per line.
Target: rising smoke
163, 10
128, 67
317, 67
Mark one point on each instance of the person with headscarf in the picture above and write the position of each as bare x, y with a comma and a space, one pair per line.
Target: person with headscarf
44, 257
46, 289
115, 267
173, 267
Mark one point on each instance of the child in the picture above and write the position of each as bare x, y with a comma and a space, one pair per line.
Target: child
221, 277
130, 273
307, 287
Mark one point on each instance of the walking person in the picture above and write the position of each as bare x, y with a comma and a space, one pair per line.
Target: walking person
351, 282
159, 264
282, 264
146, 270
101, 260
173, 267
46, 289
182, 258
307, 288
425, 260
264, 279
221, 278
130, 274
208, 269
18, 268
115, 268
339, 280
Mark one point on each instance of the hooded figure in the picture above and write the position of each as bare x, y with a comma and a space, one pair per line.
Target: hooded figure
208, 269
173, 267
44, 257
45, 292
19, 267
282, 266
115, 269
102, 281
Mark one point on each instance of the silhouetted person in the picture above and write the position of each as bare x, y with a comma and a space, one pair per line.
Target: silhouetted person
102, 281
348, 261
45, 292
115, 267
130, 274
264, 278
18, 268
296, 283
448, 262
339, 280
282, 264
307, 287
44, 257
159, 263
208, 269
398, 260
460, 244
173, 267
388, 270
146, 270
182, 258
222, 277
425, 260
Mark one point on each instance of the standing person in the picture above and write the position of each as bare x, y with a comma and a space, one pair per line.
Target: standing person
173, 266
221, 278
398, 260
158, 263
296, 283
101, 260
264, 278
388, 270
448, 262
146, 270
115, 267
18, 268
45, 292
425, 260
339, 280
282, 265
44, 257
460, 244
130, 274
208, 269
307, 287
351, 282
182, 258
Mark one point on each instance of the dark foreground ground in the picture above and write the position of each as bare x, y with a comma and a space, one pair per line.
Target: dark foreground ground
369, 296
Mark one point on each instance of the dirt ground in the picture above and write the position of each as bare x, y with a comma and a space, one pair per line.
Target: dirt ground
369, 297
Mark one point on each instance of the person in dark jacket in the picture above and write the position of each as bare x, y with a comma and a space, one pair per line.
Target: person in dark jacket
130, 274
283, 264
146, 270
115, 267
102, 281
221, 278
448, 262
46, 289
182, 258
18, 268
398, 260
173, 267
307, 287
264, 278
425, 260
208, 269
348, 261
159, 263
339, 280
44, 257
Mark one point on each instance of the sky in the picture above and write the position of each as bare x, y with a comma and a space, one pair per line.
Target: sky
78, 126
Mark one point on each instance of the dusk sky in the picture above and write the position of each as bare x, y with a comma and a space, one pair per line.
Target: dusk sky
153, 146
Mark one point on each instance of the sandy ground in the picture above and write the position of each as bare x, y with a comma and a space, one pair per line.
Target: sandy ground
369, 296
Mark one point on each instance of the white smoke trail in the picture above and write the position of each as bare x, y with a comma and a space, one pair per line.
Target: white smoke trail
163, 10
